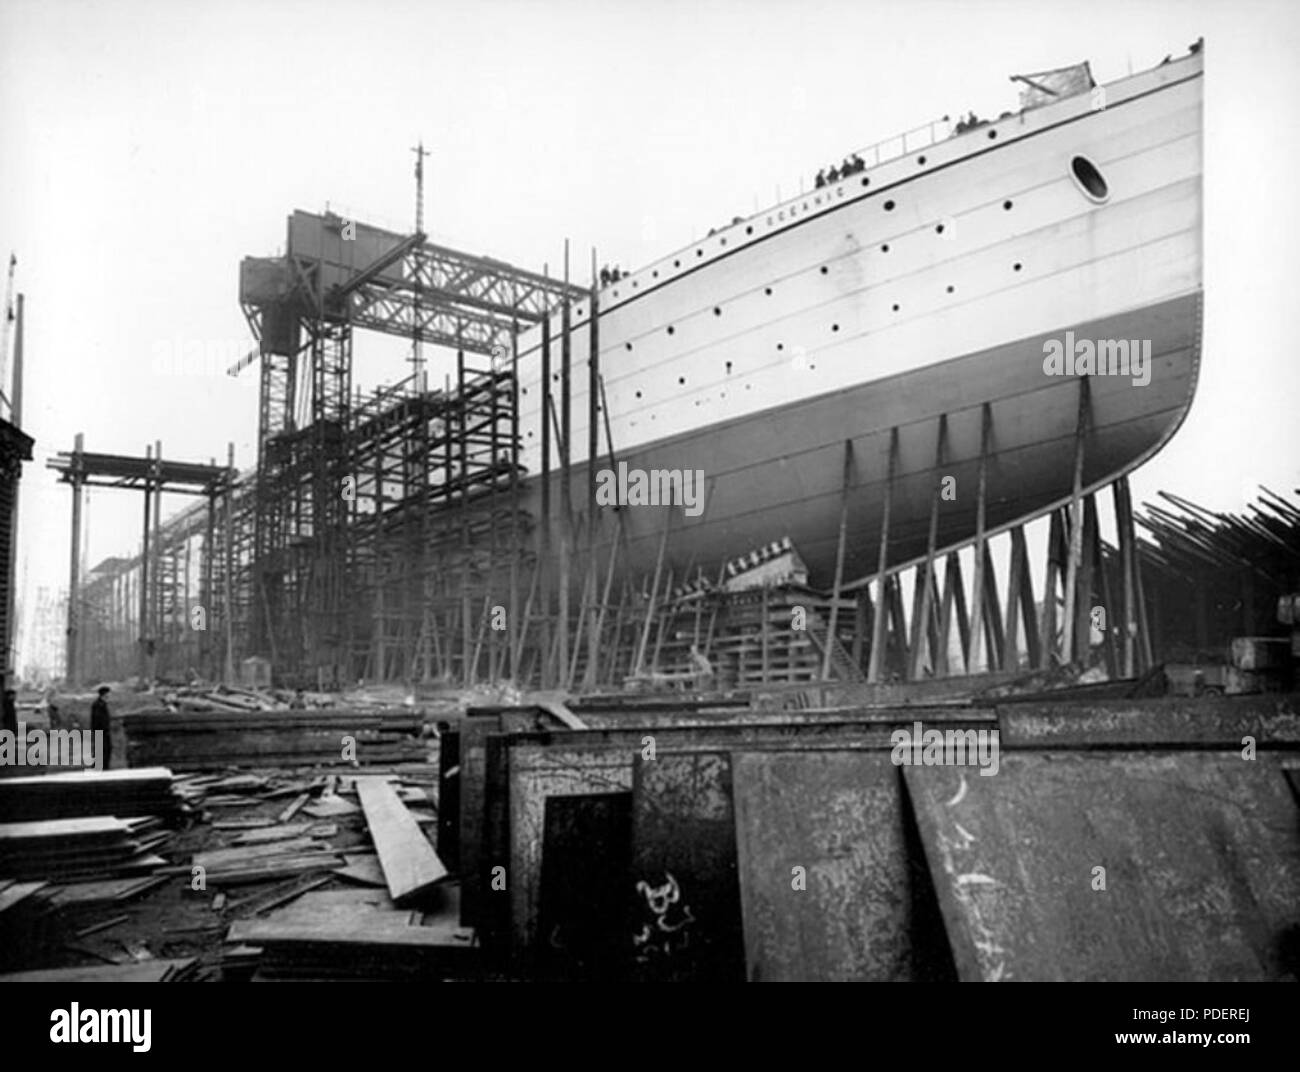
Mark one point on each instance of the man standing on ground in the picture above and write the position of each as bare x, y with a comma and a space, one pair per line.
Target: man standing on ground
11, 711
100, 722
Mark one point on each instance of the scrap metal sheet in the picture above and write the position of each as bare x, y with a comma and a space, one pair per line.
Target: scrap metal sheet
537, 772
685, 896
1200, 852
1207, 722
863, 907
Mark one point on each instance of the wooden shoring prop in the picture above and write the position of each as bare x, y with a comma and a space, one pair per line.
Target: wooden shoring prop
1126, 538
1069, 622
839, 559
981, 541
953, 599
1085, 597
1055, 561
1020, 604
898, 620
878, 627
639, 665
995, 638
922, 626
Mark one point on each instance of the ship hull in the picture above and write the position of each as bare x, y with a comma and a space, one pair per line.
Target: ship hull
781, 473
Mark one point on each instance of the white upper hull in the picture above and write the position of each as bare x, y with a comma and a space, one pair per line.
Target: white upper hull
799, 302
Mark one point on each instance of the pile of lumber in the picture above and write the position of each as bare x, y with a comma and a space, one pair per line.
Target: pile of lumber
94, 847
77, 794
281, 738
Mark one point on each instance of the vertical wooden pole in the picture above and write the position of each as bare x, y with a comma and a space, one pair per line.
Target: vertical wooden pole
639, 666
951, 573
1128, 620
1076, 527
973, 654
73, 669
925, 593
831, 629
992, 614
1086, 576
1055, 560
876, 659
593, 448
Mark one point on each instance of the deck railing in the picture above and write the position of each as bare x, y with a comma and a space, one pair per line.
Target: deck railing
921, 137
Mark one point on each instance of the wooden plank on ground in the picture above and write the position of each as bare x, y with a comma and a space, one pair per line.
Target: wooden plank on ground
364, 932
411, 866
363, 869
150, 971
292, 809
234, 857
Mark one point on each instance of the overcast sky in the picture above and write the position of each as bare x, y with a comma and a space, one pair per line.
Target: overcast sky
148, 146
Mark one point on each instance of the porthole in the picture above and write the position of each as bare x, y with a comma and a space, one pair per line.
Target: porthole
951, 288
992, 134
1006, 205
616, 293
835, 327
671, 329
921, 160
889, 206
1089, 178
638, 394
677, 264
717, 311
938, 228
655, 274
699, 253
628, 345
895, 307
749, 230
866, 181
681, 380
1016, 267
824, 269
728, 368
767, 291
722, 241
884, 248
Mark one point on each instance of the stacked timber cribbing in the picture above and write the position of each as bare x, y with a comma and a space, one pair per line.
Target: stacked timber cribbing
189, 740
123, 793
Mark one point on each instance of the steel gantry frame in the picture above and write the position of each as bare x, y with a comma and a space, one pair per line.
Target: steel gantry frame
157, 604
324, 490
